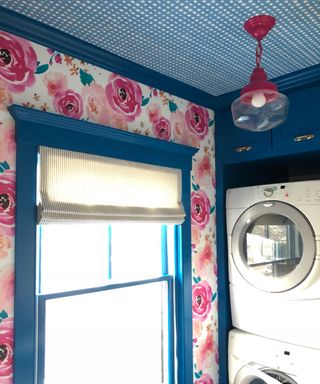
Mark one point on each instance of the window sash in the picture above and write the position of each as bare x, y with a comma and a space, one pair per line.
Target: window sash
44, 298
166, 240
116, 253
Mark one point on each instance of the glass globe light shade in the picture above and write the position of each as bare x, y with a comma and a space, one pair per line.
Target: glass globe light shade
260, 110
260, 106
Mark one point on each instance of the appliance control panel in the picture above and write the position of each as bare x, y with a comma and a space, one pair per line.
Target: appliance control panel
285, 360
295, 193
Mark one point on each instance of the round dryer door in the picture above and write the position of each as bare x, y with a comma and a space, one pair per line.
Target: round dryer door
255, 374
273, 246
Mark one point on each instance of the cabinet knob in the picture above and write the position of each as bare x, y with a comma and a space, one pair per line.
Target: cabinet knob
245, 148
308, 136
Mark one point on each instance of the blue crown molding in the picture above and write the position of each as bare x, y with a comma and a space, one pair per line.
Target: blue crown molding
47, 36
50, 37
303, 78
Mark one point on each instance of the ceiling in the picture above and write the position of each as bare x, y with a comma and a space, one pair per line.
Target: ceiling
201, 43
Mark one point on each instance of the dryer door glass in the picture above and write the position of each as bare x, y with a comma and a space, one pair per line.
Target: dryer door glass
255, 374
281, 380
279, 376
273, 246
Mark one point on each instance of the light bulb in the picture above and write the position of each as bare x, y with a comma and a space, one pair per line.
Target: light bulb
258, 100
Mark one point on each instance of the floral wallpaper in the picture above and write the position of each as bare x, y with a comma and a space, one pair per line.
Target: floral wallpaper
38, 77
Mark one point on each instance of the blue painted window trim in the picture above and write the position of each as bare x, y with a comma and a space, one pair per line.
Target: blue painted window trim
102, 288
164, 248
109, 252
34, 128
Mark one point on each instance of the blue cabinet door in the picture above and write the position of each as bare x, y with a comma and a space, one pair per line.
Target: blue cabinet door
233, 142
301, 131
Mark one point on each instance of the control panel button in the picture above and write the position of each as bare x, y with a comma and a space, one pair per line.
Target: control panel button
317, 195
268, 192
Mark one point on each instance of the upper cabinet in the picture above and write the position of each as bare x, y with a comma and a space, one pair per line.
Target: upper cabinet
302, 126
233, 141
300, 132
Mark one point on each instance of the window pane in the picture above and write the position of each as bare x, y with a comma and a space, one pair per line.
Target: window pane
136, 251
171, 249
82, 252
73, 256
115, 336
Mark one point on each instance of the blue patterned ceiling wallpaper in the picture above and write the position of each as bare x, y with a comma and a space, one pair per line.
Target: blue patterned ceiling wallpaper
201, 43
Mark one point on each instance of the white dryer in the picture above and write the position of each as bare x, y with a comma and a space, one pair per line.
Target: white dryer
274, 260
258, 360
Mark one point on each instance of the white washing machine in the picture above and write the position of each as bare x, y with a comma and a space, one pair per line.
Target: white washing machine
258, 360
274, 260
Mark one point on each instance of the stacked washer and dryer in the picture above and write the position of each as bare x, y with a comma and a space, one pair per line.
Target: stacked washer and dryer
274, 275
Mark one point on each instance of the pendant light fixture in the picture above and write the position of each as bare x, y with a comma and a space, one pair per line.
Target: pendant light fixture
260, 106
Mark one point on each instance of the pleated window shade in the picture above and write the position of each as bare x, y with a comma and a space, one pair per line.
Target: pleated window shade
77, 187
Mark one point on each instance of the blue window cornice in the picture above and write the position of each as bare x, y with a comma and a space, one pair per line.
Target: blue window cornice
34, 128
61, 134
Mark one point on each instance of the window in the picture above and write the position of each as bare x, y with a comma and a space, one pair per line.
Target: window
39, 299
123, 321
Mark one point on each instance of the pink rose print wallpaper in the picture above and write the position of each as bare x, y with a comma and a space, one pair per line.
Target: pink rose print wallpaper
68, 103
6, 349
124, 96
19, 63
200, 207
39, 77
197, 119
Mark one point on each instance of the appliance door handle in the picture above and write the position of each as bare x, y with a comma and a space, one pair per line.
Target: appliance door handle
253, 371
